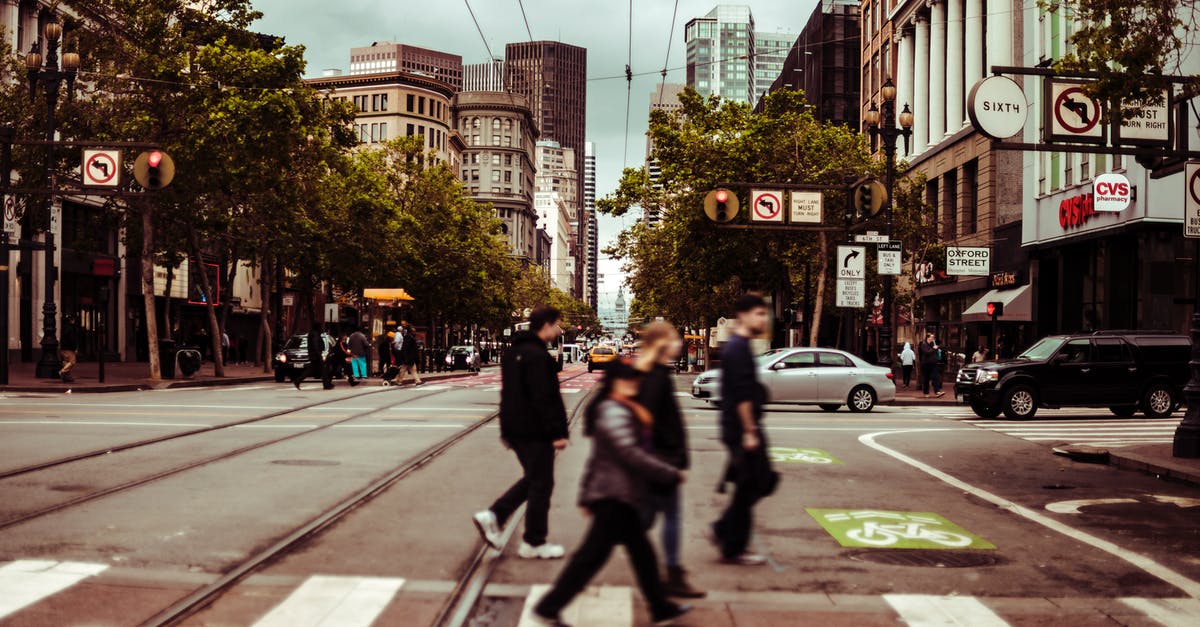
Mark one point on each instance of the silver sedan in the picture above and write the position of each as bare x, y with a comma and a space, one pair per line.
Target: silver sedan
812, 376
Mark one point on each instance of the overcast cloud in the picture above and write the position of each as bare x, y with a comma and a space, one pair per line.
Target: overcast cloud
329, 29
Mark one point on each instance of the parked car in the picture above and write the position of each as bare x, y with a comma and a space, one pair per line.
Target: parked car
1126, 371
601, 356
825, 377
463, 358
294, 356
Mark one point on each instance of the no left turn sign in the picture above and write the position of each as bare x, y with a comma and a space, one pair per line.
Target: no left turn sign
766, 206
101, 168
1073, 115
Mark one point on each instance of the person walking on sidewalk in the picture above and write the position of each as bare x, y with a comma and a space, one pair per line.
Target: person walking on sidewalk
980, 355
409, 353
360, 347
338, 363
615, 487
742, 433
533, 423
316, 357
930, 377
68, 348
661, 347
907, 359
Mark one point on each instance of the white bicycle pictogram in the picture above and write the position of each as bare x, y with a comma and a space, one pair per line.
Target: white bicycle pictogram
792, 455
882, 534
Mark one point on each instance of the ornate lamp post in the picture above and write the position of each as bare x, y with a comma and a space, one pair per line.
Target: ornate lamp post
881, 124
51, 75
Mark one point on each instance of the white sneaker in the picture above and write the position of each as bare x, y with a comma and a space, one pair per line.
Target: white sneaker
544, 551
489, 528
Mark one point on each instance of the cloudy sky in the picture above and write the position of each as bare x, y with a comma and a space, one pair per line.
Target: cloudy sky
329, 29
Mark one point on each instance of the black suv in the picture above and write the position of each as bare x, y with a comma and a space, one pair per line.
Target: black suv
294, 356
1125, 371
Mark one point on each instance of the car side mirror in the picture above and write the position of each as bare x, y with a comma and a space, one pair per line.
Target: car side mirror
779, 365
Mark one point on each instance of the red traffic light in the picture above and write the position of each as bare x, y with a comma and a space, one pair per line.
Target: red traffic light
722, 195
154, 158
995, 309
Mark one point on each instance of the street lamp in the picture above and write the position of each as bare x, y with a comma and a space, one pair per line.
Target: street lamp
881, 124
51, 75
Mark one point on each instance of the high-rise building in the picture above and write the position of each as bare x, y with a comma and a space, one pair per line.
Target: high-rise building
385, 56
592, 271
721, 53
665, 97
498, 164
824, 62
770, 50
558, 179
553, 77
556, 217
486, 76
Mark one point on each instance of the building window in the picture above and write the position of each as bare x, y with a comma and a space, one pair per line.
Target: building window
507, 159
411, 100
496, 159
496, 124
475, 123
475, 141
374, 134
383, 102
374, 102
421, 105
508, 125
508, 177
970, 197
408, 130
495, 140
508, 141
950, 204
495, 176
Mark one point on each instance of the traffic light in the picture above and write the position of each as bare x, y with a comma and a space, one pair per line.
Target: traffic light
154, 169
721, 205
868, 197
995, 309
862, 200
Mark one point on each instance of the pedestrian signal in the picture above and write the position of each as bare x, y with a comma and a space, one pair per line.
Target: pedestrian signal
721, 205
154, 169
995, 309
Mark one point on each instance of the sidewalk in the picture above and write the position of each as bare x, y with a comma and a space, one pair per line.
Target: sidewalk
1152, 459
133, 376
912, 395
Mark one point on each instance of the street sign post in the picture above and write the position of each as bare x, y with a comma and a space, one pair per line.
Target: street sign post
997, 107
806, 207
870, 237
101, 168
1072, 115
1153, 125
851, 262
889, 256
851, 293
965, 261
766, 206
12, 225
1191, 210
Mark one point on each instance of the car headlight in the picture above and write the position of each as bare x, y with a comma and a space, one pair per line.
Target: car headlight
986, 376
281, 358
449, 359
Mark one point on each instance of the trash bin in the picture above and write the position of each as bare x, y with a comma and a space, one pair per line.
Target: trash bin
166, 358
188, 360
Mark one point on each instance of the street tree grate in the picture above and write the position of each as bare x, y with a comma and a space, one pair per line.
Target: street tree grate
305, 462
924, 558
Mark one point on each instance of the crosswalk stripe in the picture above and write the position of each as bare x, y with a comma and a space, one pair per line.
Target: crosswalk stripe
921, 610
329, 601
603, 606
25, 582
1169, 612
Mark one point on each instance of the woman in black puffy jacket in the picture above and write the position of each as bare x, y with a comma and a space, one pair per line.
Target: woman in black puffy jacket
614, 490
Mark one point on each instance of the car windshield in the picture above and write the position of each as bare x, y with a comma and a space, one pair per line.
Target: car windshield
461, 350
1043, 349
603, 351
296, 341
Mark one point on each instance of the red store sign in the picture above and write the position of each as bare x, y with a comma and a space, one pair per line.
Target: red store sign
1073, 212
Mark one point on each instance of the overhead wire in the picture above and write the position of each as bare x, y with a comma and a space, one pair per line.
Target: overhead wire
667, 60
628, 88
528, 31
478, 28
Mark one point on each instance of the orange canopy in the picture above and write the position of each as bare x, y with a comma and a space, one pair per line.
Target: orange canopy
386, 293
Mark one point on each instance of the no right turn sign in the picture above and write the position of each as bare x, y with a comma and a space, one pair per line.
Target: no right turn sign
1191, 201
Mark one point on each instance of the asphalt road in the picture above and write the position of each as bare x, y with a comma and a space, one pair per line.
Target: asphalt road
914, 514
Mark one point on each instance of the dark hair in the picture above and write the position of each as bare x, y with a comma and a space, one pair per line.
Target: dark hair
621, 369
543, 315
748, 301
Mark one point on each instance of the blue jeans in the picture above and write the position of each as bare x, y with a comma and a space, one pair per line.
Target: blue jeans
668, 504
358, 367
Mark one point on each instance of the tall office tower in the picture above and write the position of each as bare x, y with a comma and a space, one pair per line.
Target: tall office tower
771, 49
385, 56
665, 97
591, 290
552, 76
486, 76
720, 53
823, 62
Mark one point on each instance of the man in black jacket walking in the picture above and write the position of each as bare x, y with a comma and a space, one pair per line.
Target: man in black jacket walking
533, 423
316, 357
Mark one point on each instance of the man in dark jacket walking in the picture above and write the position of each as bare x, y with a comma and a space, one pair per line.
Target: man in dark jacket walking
928, 355
533, 423
68, 347
316, 357
409, 353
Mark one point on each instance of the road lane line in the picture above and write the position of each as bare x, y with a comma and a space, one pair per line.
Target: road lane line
101, 423
25, 582
1169, 612
611, 606
922, 610
1188, 586
329, 601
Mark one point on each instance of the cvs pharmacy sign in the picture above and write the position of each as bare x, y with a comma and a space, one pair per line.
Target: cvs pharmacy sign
1111, 192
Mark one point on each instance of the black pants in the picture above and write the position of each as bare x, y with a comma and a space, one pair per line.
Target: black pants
732, 529
613, 523
534, 488
907, 374
315, 369
930, 378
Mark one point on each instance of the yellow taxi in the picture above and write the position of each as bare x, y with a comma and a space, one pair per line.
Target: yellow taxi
601, 355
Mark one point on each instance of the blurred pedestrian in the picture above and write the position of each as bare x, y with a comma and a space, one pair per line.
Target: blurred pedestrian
68, 348
316, 357
615, 486
384, 347
359, 348
661, 347
533, 423
907, 358
930, 357
337, 363
742, 399
409, 355
224, 347
980, 355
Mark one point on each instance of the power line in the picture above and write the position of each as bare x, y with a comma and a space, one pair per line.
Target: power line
628, 88
485, 43
667, 60
526, 18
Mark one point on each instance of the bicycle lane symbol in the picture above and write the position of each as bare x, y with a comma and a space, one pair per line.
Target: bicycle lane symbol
787, 455
895, 530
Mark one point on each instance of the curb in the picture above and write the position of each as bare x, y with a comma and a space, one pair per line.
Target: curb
916, 402
1157, 467
169, 385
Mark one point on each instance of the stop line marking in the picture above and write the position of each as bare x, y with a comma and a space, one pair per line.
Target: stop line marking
921, 610
25, 582
330, 600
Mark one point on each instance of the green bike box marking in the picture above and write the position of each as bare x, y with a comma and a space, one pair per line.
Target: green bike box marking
871, 528
786, 455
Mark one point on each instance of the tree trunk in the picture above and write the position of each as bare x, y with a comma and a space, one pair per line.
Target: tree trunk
264, 330
231, 265
819, 301
167, 303
148, 292
214, 327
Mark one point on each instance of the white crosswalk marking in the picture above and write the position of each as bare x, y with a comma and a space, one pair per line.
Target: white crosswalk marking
1169, 612
1111, 433
328, 601
921, 610
26, 582
604, 606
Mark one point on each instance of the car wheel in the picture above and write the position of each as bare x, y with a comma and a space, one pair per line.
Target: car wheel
279, 375
1019, 402
1123, 411
862, 399
830, 407
1158, 402
985, 411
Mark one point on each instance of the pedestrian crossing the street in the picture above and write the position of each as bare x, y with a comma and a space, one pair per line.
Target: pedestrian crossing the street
350, 601
1109, 433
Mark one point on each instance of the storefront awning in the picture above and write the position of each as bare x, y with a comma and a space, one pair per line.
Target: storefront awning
1018, 306
386, 294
